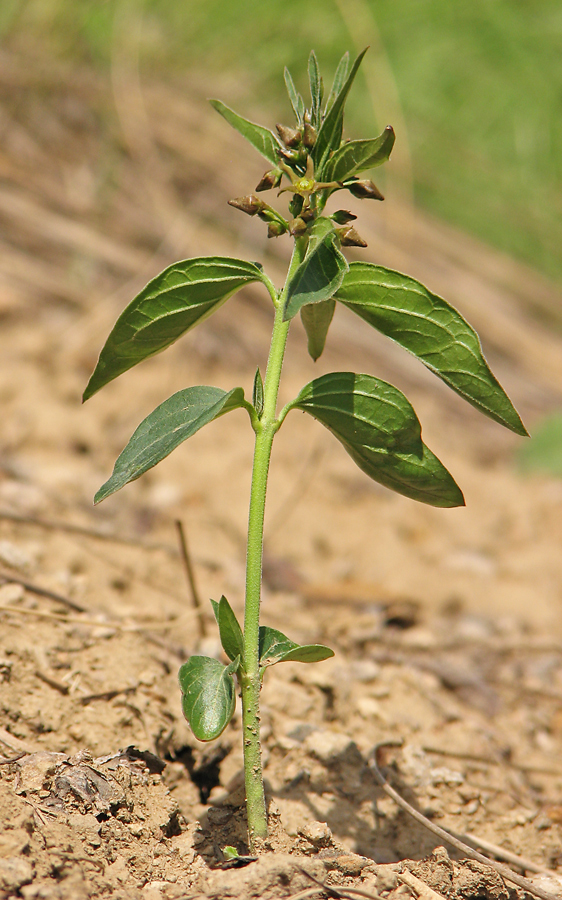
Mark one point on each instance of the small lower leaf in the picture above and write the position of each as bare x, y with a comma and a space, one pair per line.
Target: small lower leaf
231, 636
171, 423
208, 695
276, 647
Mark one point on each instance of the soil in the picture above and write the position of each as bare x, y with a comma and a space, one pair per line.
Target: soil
447, 625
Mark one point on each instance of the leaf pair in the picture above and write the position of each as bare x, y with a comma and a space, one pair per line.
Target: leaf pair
208, 690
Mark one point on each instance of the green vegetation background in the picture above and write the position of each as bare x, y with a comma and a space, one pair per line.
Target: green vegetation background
479, 86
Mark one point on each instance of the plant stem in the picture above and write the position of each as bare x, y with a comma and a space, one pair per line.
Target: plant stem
250, 680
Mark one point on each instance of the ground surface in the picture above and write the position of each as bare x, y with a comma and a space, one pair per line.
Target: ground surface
447, 625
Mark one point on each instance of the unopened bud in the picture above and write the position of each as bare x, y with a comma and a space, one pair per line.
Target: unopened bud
309, 135
250, 205
350, 238
365, 190
290, 136
270, 180
307, 215
343, 216
275, 228
297, 227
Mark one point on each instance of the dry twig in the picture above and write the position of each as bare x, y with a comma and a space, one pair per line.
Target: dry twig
186, 558
446, 836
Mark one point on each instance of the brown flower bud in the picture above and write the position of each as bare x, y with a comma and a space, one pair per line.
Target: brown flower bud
365, 190
290, 136
270, 180
309, 136
275, 228
343, 216
250, 205
297, 227
350, 238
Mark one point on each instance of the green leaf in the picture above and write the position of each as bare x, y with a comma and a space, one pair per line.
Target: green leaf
432, 330
180, 297
339, 81
330, 133
321, 272
261, 138
171, 423
358, 156
316, 89
381, 432
276, 647
257, 395
316, 318
231, 636
208, 695
297, 102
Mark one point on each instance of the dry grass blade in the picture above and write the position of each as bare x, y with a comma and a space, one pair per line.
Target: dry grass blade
339, 893
6, 578
190, 574
54, 525
446, 836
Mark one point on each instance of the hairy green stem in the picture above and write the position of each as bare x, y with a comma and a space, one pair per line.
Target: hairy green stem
250, 680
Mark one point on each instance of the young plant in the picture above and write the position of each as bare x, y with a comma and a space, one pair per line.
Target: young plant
373, 420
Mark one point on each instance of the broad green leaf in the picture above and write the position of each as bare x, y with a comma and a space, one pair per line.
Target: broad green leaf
381, 432
339, 81
171, 423
330, 133
231, 636
321, 272
261, 138
316, 318
297, 102
316, 88
432, 330
276, 647
358, 156
208, 695
180, 297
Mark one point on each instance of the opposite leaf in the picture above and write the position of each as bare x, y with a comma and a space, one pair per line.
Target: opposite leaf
381, 432
171, 423
316, 318
208, 696
231, 636
259, 137
296, 100
276, 647
180, 297
321, 272
339, 81
432, 330
358, 156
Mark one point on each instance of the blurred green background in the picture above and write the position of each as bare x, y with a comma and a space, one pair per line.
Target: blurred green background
476, 88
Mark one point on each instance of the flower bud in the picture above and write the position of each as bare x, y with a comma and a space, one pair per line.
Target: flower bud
309, 136
270, 180
290, 136
342, 217
250, 205
365, 190
275, 228
297, 227
350, 238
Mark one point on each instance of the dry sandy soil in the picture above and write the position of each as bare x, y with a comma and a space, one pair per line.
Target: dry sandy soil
447, 625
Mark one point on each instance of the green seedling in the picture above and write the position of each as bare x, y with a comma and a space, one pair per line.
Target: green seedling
373, 420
